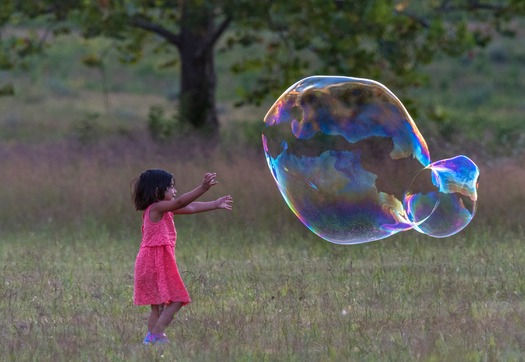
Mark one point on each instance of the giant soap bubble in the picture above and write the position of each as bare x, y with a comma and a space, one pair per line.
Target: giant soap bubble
351, 164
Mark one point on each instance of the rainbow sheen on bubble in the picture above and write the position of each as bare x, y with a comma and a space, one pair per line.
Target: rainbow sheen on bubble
447, 203
351, 164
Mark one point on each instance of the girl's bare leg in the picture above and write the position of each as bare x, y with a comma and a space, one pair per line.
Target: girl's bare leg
154, 315
165, 318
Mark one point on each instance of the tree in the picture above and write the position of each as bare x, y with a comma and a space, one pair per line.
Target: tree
381, 39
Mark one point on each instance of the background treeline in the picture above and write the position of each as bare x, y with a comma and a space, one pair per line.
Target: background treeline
268, 45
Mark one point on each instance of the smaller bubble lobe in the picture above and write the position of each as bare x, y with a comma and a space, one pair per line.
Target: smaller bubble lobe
351, 164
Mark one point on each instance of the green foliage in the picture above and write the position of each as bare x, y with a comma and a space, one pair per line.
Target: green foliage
92, 60
88, 129
383, 39
377, 40
7, 89
160, 127
473, 102
163, 128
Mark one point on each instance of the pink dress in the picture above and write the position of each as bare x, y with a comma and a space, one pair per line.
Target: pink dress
157, 278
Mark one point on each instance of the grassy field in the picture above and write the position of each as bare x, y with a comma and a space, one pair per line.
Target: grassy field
263, 287
268, 294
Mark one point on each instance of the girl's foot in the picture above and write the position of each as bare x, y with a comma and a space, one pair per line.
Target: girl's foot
151, 338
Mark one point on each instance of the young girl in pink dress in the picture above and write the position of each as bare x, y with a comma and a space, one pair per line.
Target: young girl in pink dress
157, 279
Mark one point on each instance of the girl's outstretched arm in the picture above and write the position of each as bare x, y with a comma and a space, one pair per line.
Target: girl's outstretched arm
225, 202
159, 208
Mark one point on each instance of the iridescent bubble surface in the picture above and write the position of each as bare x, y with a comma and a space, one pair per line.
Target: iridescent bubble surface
351, 164
446, 204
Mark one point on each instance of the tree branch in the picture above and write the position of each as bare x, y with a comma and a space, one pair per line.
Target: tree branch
157, 29
212, 39
447, 7
472, 5
423, 22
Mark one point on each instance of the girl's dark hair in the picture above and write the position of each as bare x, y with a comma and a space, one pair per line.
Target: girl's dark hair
149, 187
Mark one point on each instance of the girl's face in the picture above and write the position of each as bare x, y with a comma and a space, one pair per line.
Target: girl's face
170, 192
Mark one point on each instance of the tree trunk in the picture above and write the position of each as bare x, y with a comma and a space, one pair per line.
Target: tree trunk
198, 78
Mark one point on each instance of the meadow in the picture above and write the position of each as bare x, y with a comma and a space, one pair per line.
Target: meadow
263, 287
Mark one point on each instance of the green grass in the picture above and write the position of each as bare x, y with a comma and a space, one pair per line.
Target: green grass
268, 295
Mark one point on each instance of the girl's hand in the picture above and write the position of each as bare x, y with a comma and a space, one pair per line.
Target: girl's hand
210, 179
225, 202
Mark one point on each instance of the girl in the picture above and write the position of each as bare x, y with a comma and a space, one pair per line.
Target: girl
157, 279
